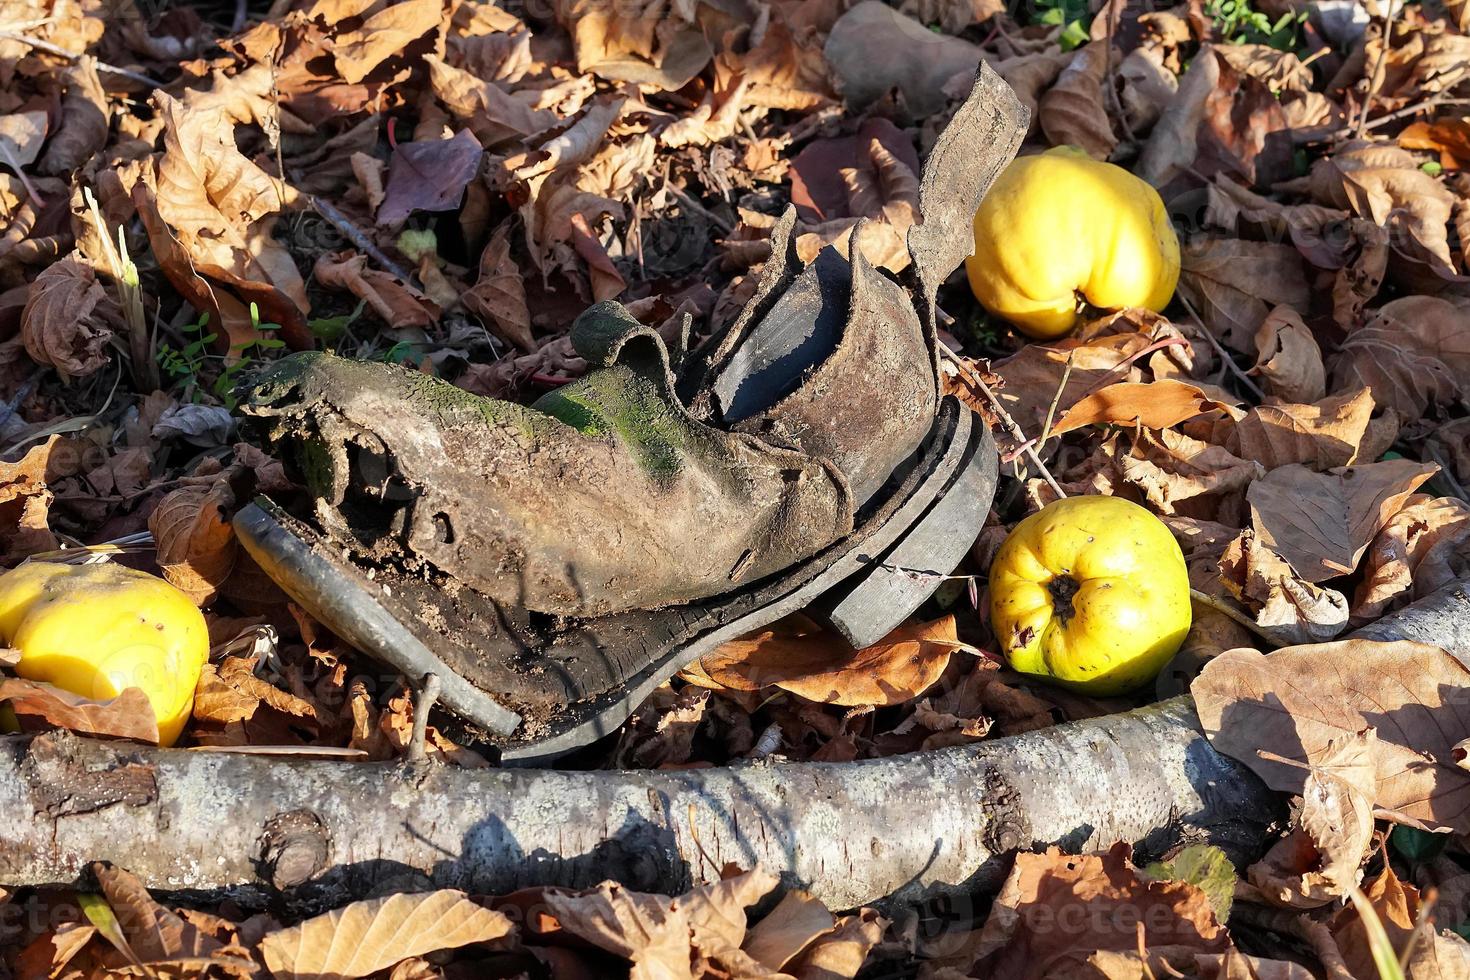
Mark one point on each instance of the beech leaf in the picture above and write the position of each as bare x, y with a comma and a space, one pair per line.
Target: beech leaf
368, 936
1321, 523
1295, 702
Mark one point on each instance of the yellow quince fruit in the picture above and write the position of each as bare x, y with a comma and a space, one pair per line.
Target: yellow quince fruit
1060, 227
1091, 593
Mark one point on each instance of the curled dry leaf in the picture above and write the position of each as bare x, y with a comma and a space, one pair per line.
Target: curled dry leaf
84, 121
195, 542
1321, 523
1320, 860
161, 941
797, 656
368, 936
641, 41
499, 296
1295, 702
1169, 467
1073, 112
68, 319
658, 934
1152, 405
1312, 228
212, 216
1285, 607
43, 707
1024, 939
841, 953
1413, 353
382, 35
1288, 360
493, 115
796, 921
1148, 87
1422, 549
395, 302
25, 500
1323, 435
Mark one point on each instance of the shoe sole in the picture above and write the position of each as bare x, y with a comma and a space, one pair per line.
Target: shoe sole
601, 670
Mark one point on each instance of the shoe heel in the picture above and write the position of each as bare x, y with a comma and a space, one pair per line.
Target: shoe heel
866, 606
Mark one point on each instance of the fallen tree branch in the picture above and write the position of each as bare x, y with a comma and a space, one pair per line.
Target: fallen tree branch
910, 827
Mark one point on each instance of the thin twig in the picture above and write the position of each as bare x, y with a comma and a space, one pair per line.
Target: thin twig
50, 48
1230, 612
356, 236
698, 208
1375, 79
1015, 430
1051, 411
1230, 364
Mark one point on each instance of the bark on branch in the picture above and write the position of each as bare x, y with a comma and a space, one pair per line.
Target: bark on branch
910, 827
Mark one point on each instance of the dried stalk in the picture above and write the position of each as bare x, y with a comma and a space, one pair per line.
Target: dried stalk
1012, 427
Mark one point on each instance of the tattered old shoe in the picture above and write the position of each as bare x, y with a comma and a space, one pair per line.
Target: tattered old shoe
553, 563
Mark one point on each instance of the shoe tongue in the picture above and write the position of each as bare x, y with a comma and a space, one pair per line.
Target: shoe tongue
801, 331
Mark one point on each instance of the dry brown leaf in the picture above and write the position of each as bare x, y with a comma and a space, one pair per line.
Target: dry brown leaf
22, 134
1312, 228
1153, 405
1073, 112
1170, 467
797, 656
1235, 284
715, 118
1356, 284
793, 925
1280, 70
25, 500
1105, 904
873, 50
382, 35
68, 320
1435, 956
658, 934
499, 296
396, 303
647, 42
84, 121
1450, 138
841, 953
1032, 74
1148, 87
887, 193
607, 282
1385, 185
1288, 359
1413, 353
212, 216
491, 114
1033, 374
372, 935
429, 175
196, 544
1298, 700
1321, 523
1286, 608
161, 940
1320, 860
43, 707
1421, 550
1324, 435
